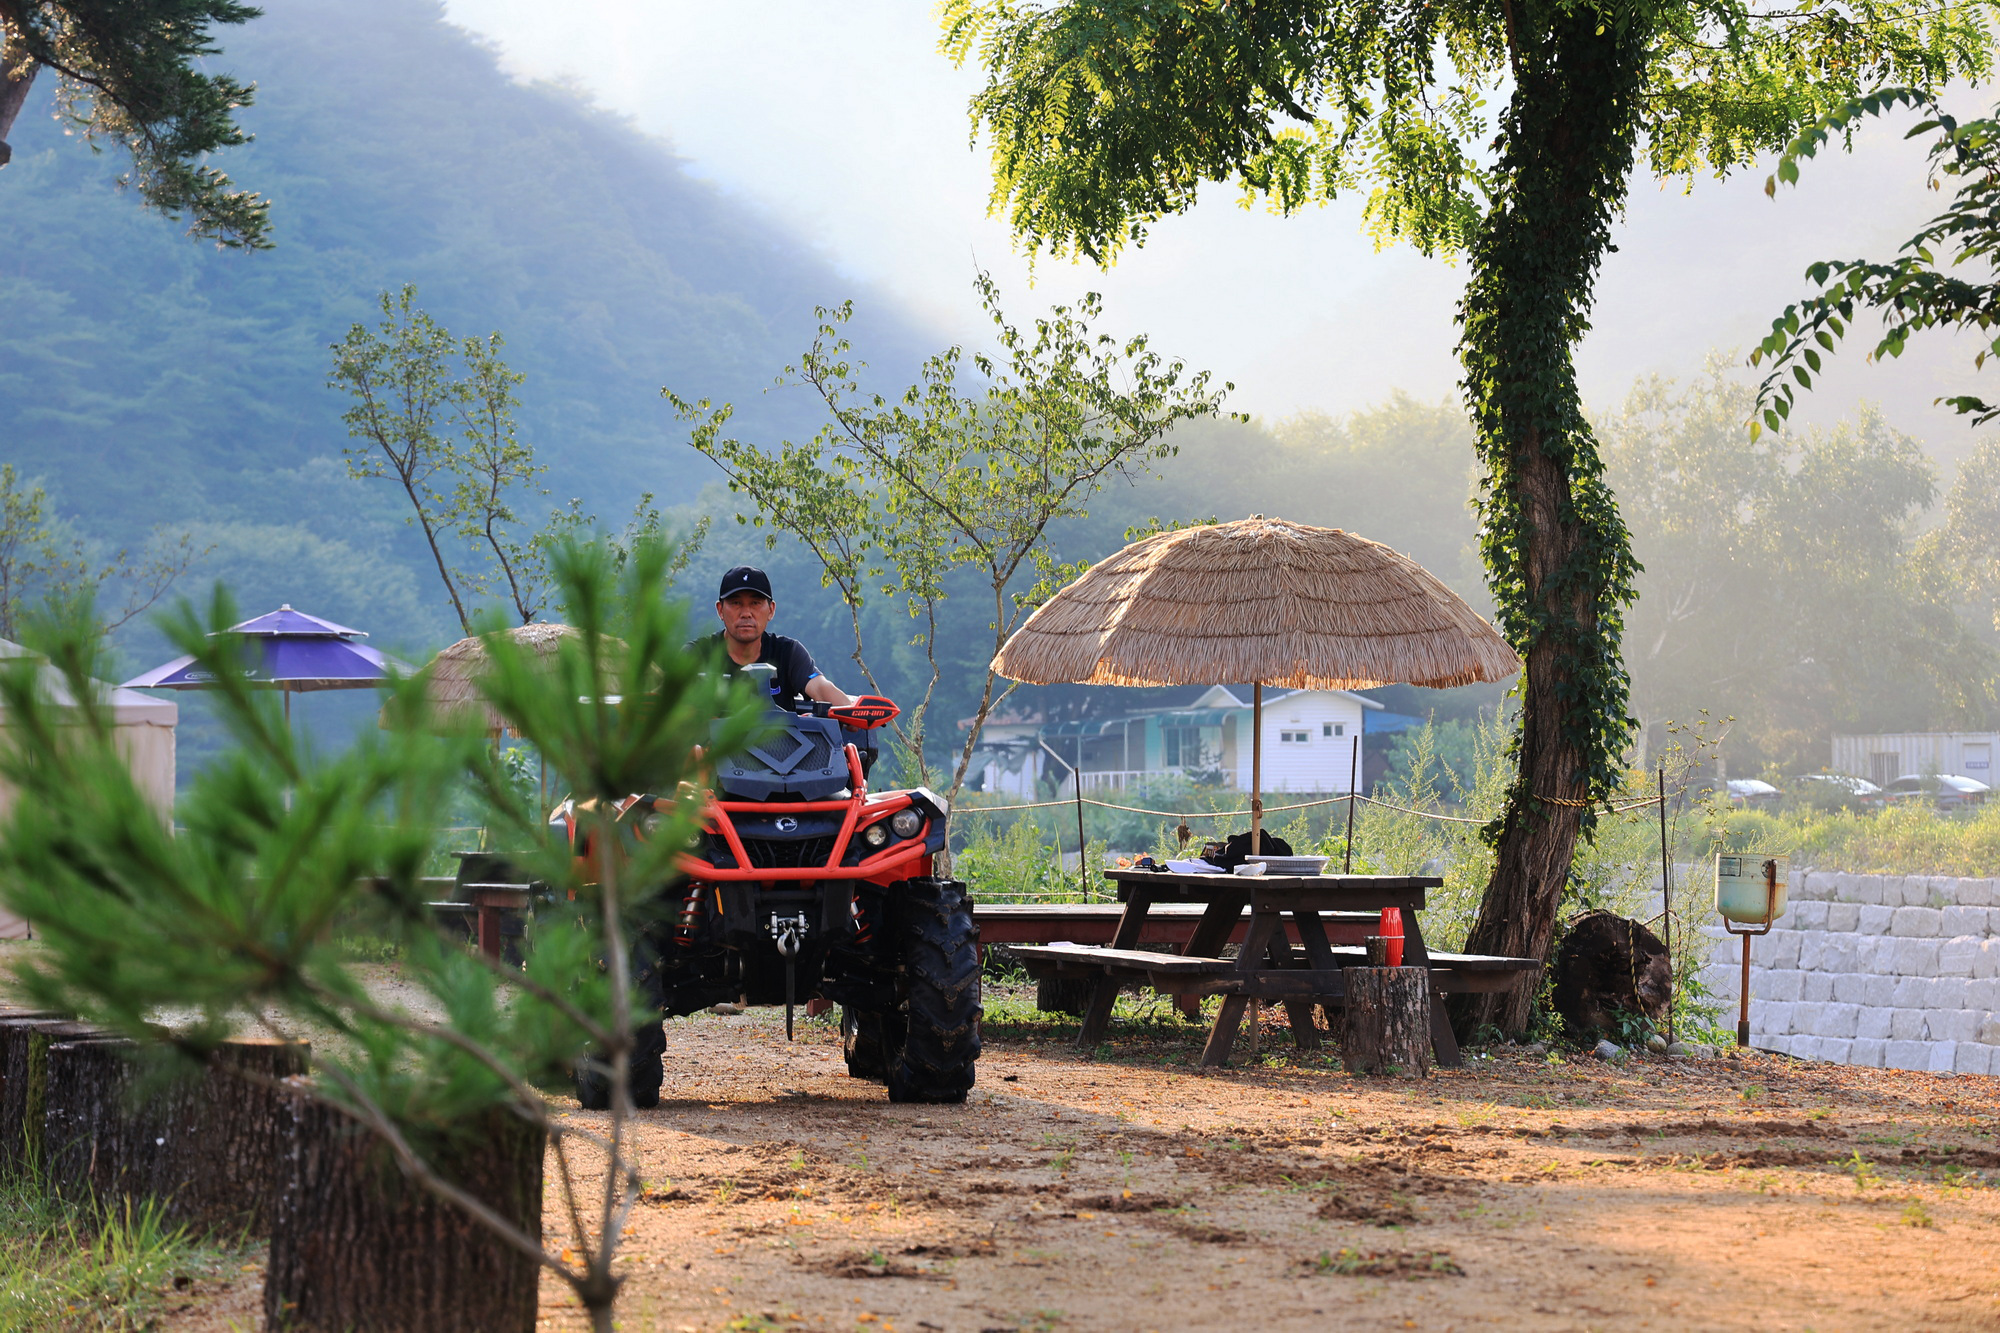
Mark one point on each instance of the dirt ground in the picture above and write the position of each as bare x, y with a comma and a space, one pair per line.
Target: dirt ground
1134, 1192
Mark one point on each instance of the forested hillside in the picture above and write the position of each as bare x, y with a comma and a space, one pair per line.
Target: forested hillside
148, 379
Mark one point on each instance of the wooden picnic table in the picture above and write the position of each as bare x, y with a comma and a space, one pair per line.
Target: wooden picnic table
1268, 965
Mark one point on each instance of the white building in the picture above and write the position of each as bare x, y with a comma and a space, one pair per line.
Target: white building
142, 729
1883, 759
1311, 742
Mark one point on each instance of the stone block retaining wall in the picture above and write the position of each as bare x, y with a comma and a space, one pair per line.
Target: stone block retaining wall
1896, 971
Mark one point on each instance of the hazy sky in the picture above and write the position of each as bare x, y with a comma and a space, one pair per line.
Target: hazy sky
845, 123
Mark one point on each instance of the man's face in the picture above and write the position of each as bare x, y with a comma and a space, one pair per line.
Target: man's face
745, 616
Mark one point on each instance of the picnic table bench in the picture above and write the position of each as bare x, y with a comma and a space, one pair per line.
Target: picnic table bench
1286, 952
1166, 923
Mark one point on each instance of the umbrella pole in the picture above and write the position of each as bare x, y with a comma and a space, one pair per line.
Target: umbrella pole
1256, 768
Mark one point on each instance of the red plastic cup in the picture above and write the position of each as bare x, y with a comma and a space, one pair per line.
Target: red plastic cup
1392, 929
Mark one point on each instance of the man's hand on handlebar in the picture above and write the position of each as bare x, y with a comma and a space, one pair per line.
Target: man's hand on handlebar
821, 690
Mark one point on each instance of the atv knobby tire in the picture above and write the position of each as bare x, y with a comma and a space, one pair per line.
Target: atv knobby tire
938, 948
646, 1073
869, 1039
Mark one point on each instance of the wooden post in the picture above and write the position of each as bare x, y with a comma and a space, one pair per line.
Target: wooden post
1082, 843
1743, 998
1388, 1020
1353, 771
1667, 903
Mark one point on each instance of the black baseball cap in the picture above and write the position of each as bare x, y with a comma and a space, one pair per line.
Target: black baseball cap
745, 578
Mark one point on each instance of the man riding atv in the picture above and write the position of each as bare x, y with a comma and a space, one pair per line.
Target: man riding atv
745, 606
806, 885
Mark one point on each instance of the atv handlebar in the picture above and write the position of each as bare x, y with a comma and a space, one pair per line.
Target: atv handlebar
867, 712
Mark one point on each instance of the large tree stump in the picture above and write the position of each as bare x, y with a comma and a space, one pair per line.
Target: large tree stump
24, 1047
358, 1248
1609, 966
98, 1143
204, 1142
222, 1163
1387, 1026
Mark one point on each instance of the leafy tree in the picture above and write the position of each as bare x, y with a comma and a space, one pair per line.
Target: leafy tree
1505, 131
1921, 288
238, 906
40, 562
1778, 584
1962, 546
130, 72
904, 496
446, 435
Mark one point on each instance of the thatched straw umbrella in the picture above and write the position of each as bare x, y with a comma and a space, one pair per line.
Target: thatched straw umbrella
1259, 600
451, 678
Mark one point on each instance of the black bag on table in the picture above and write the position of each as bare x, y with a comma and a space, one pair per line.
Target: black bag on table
1237, 849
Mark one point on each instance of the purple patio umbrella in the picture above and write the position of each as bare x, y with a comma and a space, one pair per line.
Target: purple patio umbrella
286, 650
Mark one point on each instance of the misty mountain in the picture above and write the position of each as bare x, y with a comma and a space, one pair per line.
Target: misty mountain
146, 379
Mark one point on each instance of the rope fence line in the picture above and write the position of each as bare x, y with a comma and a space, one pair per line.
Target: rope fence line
1646, 803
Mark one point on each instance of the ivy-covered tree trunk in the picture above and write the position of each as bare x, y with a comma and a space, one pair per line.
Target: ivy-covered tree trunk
1559, 559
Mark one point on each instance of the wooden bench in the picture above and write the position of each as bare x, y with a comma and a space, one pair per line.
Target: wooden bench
1166, 923
1174, 974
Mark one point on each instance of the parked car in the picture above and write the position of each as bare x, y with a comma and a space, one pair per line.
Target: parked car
1952, 791
1753, 794
1836, 789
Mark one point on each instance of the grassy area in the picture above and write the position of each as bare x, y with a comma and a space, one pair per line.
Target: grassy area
64, 1267
1909, 839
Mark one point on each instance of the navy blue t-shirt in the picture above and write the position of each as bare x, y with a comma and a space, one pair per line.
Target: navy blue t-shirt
794, 664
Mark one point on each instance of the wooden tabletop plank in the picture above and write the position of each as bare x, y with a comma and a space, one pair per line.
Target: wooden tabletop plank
1140, 960
1175, 877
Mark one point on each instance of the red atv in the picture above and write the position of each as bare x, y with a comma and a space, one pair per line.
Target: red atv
806, 886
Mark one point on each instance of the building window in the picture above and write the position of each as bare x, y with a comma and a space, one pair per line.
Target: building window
1333, 728
1295, 737
1182, 747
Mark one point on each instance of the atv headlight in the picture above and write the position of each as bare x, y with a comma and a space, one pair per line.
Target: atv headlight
875, 835
907, 823
652, 823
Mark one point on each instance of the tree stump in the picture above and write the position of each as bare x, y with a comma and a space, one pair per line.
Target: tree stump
98, 1143
1387, 1025
24, 1047
358, 1248
203, 1141
1062, 995
221, 1165
1610, 966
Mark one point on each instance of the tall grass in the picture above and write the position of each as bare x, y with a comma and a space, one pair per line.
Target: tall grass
65, 1267
1012, 864
1906, 839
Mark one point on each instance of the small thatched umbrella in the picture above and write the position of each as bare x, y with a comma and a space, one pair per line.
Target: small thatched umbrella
1259, 600
450, 678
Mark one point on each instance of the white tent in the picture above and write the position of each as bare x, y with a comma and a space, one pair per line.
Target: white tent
145, 735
